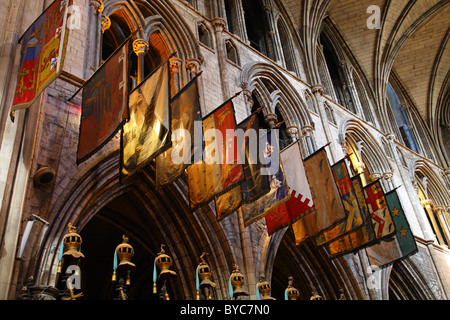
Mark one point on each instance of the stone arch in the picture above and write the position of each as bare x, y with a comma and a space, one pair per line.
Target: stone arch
189, 234
406, 282
294, 106
434, 186
357, 139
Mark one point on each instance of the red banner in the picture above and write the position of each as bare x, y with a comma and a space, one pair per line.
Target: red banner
42, 54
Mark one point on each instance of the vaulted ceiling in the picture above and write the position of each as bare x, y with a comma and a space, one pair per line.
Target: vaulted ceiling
412, 43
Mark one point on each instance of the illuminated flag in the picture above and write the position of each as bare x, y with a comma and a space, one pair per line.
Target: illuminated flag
379, 210
361, 237
42, 53
185, 108
104, 103
300, 203
399, 246
279, 189
221, 170
353, 218
147, 133
327, 201
254, 185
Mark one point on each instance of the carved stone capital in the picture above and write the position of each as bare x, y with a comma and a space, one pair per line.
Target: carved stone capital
427, 203
359, 167
219, 24
375, 176
292, 132
97, 5
307, 130
140, 46
391, 136
317, 88
271, 119
387, 176
106, 23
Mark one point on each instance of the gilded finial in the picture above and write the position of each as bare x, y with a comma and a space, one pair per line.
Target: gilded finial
72, 228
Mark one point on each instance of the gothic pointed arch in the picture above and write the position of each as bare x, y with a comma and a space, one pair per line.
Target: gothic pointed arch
359, 141
144, 214
294, 107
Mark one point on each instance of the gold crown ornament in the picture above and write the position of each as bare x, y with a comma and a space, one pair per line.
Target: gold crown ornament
237, 281
291, 293
122, 256
163, 262
263, 289
204, 274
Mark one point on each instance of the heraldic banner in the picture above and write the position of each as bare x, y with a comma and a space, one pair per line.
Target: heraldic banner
42, 54
185, 108
300, 202
147, 133
329, 209
361, 237
104, 103
220, 171
401, 244
279, 189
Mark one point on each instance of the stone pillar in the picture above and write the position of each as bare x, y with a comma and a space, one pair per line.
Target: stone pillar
427, 204
193, 67
219, 26
94, 38
140, 47
441, 217
292, 132
307, 132
271, 119
359, 167
387, 176
317, 90
175, 75
271, 32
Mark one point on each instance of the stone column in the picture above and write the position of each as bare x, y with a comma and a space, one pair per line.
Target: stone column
292, 132
271, 32
307, 132
317, 90
219, 26
271, 119
440, 215
175, 75
94, 38
387, 176
140, 47
193, 67
427, 204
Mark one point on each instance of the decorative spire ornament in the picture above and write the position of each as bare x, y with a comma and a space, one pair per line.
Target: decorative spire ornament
236, 283
121, 264
291, 293
69, 256
203, 273
263, 288
163, 262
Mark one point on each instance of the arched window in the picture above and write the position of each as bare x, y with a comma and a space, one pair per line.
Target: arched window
401, 119
286, 46
114, 36
337, 75
330, 113
257, 26
204, 35
232, 53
